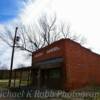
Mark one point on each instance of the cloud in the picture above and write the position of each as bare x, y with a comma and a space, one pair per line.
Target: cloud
19, 57
33, 11
2, 28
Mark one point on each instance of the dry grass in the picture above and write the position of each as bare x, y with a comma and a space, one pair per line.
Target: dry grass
4, 83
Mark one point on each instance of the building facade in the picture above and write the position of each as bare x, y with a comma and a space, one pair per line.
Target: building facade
66, 65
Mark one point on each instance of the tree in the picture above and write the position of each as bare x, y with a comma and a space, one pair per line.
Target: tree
35, 36
66, 33
48, 29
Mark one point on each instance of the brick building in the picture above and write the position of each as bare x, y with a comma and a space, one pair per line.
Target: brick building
65, 64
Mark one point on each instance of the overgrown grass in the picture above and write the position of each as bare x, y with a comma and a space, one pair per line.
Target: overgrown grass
4, 83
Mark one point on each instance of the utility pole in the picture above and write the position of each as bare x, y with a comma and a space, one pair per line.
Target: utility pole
12, 58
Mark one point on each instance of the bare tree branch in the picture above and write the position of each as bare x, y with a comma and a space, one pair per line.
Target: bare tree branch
46, 32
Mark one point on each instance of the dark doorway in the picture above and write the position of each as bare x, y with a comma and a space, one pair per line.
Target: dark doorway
51, 78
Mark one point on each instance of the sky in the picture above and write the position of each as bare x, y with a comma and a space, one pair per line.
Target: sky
9, 9
82, 15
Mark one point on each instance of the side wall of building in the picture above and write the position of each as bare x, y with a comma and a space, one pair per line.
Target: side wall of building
82, 66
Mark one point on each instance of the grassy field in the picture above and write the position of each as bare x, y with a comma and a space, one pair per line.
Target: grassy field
4, 83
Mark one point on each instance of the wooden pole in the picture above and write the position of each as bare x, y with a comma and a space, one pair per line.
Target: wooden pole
29, 75
21, 72
38, 77
28, 78
12, 58
14, 78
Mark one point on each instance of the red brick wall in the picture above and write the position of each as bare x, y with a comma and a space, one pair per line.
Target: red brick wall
45, 55
83, 66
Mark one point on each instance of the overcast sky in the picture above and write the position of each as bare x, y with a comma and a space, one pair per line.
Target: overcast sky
82, 15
